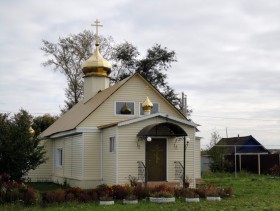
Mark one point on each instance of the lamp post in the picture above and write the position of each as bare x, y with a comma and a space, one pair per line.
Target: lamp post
186, 142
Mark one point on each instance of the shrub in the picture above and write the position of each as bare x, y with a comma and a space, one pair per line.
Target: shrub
29, 196
225, 192
11, 191
201, 192
141, 192
104, 190
131, 197
11, 196
120, 192
160, 194
211, 190
162, 188
275, 170
48, 197
178, 192
74, 190
70, 197
84, 197
4, 177
106, 198
189, 193
59, 195
93, 194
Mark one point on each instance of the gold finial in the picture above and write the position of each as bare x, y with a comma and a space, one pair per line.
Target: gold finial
31, 131
97, 24
147, 106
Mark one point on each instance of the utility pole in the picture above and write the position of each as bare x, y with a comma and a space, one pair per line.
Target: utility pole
226, 132
184, 104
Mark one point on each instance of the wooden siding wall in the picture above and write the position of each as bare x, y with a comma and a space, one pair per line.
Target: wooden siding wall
44, 171
92, 156
135, 90
198, 159
109, 158
72, 157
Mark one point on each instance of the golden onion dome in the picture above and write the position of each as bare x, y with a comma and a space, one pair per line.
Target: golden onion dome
31, 132
96, 65
147, 105
125, 109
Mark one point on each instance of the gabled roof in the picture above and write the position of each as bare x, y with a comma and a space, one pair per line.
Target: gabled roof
72, 118
249, 145
81, 111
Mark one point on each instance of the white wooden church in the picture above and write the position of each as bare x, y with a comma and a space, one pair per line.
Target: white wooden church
116, 131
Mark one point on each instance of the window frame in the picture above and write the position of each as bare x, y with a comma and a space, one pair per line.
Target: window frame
112, 144
59, 157
124, 101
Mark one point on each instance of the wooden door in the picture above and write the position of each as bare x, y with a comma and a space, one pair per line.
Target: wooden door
156, 159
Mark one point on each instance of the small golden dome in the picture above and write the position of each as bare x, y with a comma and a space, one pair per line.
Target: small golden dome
125, 109
96, 65
147, 105
31, 132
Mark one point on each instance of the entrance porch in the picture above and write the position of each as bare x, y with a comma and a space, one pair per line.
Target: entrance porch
154, 170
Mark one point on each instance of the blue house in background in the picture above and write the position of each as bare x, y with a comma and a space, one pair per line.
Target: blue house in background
246, 153
244, 145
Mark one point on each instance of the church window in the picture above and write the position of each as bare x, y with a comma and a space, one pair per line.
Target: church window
124, 108
112, 144
155, 109
59, 157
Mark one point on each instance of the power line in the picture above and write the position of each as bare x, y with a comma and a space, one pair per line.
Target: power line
237, 118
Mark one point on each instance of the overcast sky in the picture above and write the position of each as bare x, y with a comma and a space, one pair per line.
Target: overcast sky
228, 55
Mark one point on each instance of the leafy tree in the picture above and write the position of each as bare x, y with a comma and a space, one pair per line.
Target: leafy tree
218, 163
19, 151
69, 53
41, 123
67, 57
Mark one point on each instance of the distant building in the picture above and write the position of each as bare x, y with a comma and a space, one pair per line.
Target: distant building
246, 153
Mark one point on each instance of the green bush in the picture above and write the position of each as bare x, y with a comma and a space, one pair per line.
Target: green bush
162, 194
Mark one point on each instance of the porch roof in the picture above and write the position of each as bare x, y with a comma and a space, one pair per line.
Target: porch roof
162, 129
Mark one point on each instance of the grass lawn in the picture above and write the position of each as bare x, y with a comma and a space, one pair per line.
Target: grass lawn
251, 192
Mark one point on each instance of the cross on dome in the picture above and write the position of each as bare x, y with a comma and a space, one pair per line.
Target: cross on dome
97, 24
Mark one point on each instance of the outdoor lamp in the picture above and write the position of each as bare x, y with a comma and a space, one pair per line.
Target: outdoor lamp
149, 139
188, 140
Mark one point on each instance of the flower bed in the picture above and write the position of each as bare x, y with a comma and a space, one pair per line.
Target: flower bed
213, 198
11, 192
162, 199
126, 201
192, 199
106, 202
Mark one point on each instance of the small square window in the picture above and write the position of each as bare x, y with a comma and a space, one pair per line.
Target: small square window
124, 108
112, 144
59, 157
